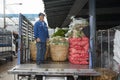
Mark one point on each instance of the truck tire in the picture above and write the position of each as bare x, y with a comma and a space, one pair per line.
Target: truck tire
13, 53
9, 58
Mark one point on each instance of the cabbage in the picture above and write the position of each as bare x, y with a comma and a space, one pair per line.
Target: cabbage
58, 40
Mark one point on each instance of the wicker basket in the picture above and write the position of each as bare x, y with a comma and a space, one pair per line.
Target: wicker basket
33, 50
59, 52
106, 74
47, 54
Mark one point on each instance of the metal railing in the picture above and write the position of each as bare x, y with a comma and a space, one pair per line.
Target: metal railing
104, 42
25, 36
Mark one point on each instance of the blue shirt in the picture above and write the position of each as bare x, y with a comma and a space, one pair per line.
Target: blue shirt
41, 31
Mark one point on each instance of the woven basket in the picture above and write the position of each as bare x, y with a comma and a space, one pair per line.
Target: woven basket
33, 50
47, 54
58, 52
106, 74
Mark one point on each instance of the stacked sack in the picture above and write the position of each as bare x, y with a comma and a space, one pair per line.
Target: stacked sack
78, 50
78, 42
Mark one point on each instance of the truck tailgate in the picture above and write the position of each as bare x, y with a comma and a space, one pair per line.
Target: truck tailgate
54, 68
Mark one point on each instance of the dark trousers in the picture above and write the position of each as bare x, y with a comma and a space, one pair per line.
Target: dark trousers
41, 49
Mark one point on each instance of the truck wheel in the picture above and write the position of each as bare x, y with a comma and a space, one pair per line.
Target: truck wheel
13, 52
9, 58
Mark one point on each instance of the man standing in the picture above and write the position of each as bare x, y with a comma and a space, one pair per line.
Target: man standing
41, 35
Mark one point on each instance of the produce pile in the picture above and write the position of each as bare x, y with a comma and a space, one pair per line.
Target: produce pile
60, 32
78, 42
59, 45
58, 40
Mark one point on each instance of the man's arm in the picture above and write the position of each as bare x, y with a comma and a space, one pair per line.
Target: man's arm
47, 31
35, 31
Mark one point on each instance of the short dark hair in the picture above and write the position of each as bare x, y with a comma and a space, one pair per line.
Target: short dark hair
41, 14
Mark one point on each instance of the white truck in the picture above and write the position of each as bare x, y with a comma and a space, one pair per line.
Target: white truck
7, 47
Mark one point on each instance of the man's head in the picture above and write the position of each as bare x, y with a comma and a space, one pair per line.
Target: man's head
41, 16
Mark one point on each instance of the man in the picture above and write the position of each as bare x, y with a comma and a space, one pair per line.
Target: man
41, 36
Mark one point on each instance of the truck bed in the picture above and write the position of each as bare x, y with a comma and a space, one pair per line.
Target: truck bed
53, 68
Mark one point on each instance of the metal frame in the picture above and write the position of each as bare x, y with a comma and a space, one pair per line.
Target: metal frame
92, 22
25, 36
53, 70
107, 37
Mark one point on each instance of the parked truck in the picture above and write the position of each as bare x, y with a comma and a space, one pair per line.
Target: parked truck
7, 47
48, 70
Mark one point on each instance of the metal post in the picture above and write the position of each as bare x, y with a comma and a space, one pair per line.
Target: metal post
19, 39
92, 23
109, 62
4, 16
101, 57
27, 43
4, 11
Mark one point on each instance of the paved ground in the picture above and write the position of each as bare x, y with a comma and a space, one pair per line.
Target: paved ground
4, 68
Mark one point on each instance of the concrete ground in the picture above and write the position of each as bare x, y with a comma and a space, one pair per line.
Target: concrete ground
5, 67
